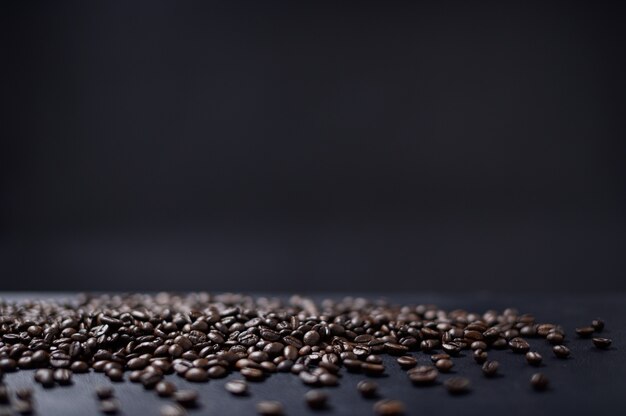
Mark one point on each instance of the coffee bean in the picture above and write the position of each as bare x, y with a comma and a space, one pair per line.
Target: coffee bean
104, 392
23, 407
367, 388
561, 351
115, 374
436, 357
407, 361
490, 368
45, 377
393, 348
79, 367
24, 393
555, 338
602, 342
150, 379
137, 363
165, 388
4, 394
186, 398
311, 338
457, 385
585, 331
444, 365
237, 387
480, 356
196, 375
252, 374
269, 408
373, 369
8, 365
316, 399
534, 358
109, 406
539, 381
519, 345
328, 379
423, 375
597, 324
389, 407
172, 410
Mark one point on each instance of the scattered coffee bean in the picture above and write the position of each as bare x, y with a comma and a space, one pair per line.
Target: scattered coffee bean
602, 342
45, 377
104, 392
561, 351
367, 388
480, 356
423, 375
389, 407
172, 410
444, 365
519, 345
597, 324
24, 393
186, 398
373, 369
269, 408
539, 381
4, 394
457, 385
63, 376
109, 406
407, 361
165, 388
534, 358
585, 331
196, 375
237, 387
490, 368
555, 338
316, 399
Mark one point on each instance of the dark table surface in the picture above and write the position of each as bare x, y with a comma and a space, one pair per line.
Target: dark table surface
591, 381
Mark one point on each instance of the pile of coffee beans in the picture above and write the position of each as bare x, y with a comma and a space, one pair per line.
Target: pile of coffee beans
143, 338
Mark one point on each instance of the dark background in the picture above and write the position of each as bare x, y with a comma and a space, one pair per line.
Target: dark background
304, 146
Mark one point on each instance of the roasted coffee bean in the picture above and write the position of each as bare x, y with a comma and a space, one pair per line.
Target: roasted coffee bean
480, 356
311, 338
539, 381
555, 338
45, 377
602, 342
444, 365
597, 324
423, 375
316, 399
395, 349
490, 368
115, 374
165, 388
237, 387
172, 410
407, 361
533, 358
149, 379
269, 408
186, 398
104, 392
457, 385
328, 379
478, 345
196, 375
585, 331
389, 407
561, 351
109, 406
23, 407
436, 357
63, 376
79, 367
519, 345
4, 394
373, 369
24, 393
137, 363
353, 365
8, 365
367, 388
252, 374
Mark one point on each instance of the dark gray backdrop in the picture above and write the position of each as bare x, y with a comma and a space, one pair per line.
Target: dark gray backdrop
313, 145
